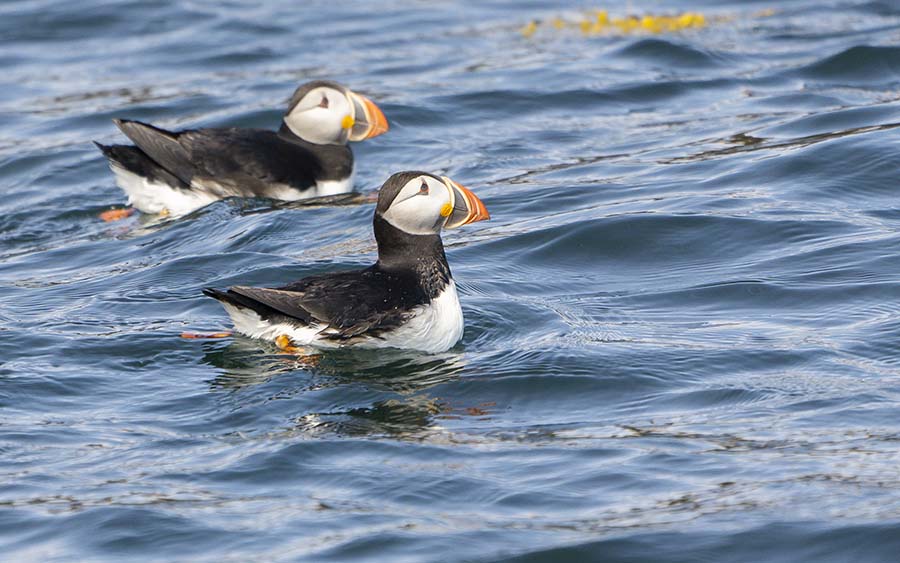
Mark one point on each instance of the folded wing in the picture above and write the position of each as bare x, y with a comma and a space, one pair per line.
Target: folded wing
348, 304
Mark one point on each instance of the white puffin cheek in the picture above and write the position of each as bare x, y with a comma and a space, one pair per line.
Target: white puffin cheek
328, 125
426, 215
418, 214
315, 125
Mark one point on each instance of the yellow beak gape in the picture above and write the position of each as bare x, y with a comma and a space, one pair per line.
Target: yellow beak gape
348, 122
446, 209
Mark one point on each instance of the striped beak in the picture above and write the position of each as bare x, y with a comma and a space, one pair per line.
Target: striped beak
466, 207
368, 120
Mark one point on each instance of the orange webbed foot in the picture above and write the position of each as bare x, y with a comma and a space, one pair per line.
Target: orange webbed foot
195, 335
286, 346
111, 215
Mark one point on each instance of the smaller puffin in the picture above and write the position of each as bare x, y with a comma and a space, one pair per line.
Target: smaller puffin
407, 299
176, 172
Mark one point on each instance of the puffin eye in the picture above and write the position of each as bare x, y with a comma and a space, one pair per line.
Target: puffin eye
423, 189
324, 102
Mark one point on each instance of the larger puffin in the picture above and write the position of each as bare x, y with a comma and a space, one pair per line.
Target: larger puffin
176, 172
407, 299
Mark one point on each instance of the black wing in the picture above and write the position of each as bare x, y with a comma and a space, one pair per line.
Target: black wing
362, 302
250, 158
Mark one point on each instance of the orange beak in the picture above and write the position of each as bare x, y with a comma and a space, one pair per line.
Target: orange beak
369, 120
467, 208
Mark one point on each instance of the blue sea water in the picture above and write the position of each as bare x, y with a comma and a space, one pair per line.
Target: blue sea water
682, 333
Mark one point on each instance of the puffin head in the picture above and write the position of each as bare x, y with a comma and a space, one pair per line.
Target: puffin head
326, 113
419, 203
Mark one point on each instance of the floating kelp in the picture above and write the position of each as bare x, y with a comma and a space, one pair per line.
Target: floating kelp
600, 22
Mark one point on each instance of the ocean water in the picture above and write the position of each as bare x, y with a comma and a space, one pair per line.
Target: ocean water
682, 322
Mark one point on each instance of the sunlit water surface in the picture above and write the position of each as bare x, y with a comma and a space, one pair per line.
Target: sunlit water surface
683, 320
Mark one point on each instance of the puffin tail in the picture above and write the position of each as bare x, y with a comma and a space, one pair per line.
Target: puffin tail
132, 159
223, 296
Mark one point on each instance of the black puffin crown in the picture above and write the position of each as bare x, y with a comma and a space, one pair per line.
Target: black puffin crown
306, 88
393, 185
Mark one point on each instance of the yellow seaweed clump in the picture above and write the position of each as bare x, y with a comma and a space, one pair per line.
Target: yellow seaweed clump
529, 28
599, 21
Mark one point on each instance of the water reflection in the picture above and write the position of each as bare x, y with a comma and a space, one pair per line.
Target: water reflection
399, 418
395, 385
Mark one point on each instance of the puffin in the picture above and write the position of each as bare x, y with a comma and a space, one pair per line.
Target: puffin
407, 299
176, 172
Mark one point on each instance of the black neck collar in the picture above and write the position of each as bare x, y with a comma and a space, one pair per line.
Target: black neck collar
397, 247
422, 255
330, 162
285, 131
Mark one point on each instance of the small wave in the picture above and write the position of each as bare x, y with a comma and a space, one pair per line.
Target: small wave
858, 64
673, 55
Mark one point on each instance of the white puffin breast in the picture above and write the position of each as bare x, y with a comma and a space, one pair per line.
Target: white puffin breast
334, 187
435, 327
